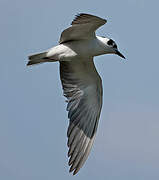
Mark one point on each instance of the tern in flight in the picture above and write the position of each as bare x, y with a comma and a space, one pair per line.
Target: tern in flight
82, 85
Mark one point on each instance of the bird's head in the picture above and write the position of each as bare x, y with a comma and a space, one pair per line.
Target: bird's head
111, 47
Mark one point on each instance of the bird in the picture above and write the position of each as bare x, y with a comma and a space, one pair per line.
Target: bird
81, 83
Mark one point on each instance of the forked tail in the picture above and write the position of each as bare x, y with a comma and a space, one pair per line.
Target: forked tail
39, 58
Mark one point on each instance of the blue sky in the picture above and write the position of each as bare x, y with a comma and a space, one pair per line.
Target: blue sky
33, 119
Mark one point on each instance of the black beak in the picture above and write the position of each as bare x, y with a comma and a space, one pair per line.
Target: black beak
119, 54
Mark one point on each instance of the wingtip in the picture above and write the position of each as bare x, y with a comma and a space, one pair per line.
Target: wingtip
85, 15
74, 173
70, 170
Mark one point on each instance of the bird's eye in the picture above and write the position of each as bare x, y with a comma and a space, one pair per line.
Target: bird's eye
115, 46
110, 42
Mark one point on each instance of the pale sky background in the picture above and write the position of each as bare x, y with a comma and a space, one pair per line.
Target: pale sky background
33, 119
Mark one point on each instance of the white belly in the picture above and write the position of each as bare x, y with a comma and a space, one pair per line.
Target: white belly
75, 49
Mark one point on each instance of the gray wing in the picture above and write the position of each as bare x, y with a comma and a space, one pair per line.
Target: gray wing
83, 88
83, 27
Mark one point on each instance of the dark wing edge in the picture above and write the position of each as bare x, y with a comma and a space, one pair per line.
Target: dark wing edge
83, 27
83, 18
83, 108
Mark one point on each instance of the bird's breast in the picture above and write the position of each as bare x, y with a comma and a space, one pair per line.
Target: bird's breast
76, 49
83, 48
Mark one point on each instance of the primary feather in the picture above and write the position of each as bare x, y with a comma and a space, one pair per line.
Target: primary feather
83, 88
83, 27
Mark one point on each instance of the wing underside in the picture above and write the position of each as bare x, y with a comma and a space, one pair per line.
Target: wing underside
83, 27
82, 87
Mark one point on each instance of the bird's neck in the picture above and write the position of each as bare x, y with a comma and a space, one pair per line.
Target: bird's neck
102, 45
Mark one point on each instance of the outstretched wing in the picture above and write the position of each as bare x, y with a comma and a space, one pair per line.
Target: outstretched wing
83, 27
83, 88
